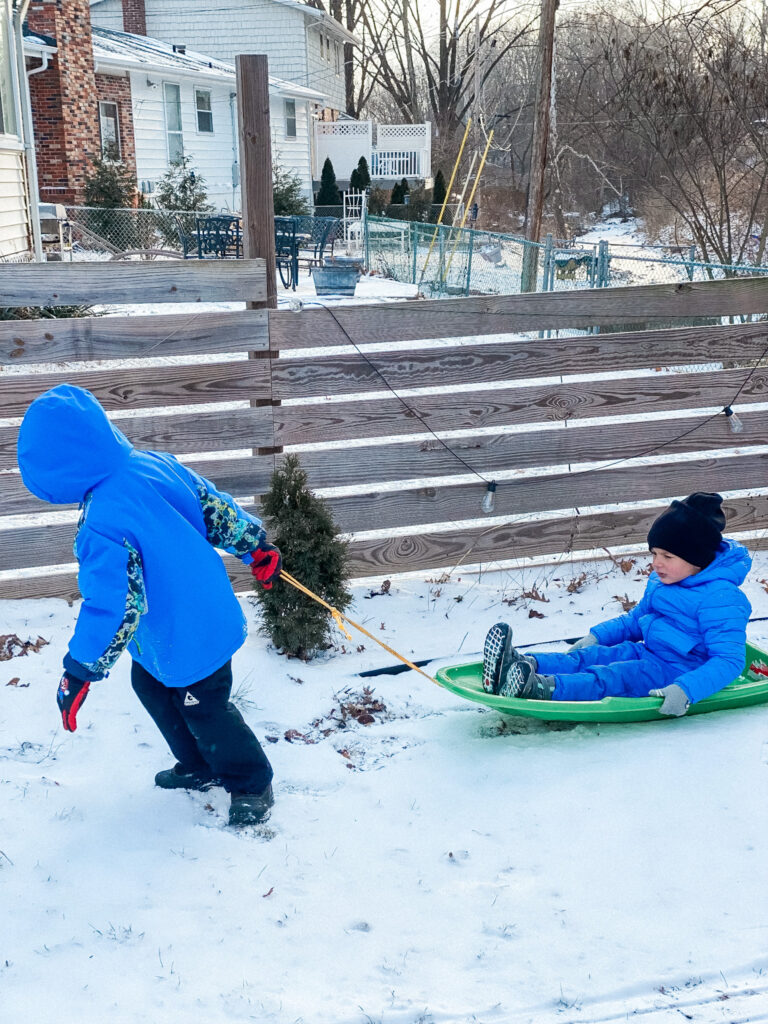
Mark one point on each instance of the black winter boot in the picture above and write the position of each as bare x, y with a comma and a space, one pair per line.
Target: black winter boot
520, 679
180, 777
250, 808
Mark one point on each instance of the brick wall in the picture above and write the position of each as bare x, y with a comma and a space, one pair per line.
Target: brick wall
114, 89
64, 101
134, 17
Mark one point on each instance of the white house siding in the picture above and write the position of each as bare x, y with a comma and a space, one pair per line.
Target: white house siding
274, 29
321, 72
292, 154
14, 215
212, 155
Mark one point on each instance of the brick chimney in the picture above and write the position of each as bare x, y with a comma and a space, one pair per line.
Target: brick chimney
64, 100
134, 17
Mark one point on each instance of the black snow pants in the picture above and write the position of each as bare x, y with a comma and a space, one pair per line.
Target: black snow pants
204, 729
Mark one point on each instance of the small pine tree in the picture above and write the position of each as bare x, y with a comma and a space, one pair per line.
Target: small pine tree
404, 186
182, 188
396, 198
360, 178
287, 193
439, 189
110, 184
329, 194
302, 526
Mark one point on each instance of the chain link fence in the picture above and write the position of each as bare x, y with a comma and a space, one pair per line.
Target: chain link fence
99, 233
444, 260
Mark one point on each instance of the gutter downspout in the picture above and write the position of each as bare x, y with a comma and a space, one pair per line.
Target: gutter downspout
235, 152
33, 192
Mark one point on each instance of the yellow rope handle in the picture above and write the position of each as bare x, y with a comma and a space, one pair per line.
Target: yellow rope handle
340, 619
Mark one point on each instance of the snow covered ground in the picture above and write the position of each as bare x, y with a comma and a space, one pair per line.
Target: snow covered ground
440, 864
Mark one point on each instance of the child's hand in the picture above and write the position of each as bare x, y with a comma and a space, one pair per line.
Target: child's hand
586, 641
676, 701
70, 696
266, 565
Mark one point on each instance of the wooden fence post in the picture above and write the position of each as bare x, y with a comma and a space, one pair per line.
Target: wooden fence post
258, 211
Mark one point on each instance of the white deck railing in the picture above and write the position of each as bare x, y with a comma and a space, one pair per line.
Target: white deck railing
392, 150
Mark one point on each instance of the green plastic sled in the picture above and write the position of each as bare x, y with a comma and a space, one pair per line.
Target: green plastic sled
466, 681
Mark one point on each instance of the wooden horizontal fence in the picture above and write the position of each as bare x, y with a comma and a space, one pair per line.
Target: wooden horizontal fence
409, 407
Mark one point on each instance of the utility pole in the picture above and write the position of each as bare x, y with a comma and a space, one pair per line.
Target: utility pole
539, 145
476, 99
256, 166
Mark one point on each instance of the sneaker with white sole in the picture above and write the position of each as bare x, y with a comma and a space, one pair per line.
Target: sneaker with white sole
497, 639
520, 679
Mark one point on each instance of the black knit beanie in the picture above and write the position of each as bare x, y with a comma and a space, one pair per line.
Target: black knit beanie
691, 529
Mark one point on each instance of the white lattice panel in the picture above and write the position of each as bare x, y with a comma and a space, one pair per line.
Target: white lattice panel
345, 129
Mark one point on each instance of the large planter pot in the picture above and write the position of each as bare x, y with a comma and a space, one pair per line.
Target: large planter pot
345, 261
335, 279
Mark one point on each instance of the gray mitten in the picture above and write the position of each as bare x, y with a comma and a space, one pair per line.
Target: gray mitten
676, 701
586, 641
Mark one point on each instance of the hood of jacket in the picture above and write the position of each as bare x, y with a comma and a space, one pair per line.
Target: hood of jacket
731, 563
67, 445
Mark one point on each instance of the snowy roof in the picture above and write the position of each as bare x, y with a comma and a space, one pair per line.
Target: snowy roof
37, 43
322, 16
130, 52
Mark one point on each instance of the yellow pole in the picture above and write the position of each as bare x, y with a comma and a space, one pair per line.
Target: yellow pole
469, 203
445, 201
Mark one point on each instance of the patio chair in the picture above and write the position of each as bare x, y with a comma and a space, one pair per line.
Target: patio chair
219, 237
316, 237
287, 251
185, 230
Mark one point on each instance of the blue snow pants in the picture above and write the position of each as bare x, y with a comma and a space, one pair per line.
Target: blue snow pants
626, 670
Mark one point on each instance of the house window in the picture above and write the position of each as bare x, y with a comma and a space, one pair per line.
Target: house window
109, 125
7, 118
172, 94
290, 118
204, 110
337, 56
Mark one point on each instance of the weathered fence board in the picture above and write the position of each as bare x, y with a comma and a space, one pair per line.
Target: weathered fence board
489, 454
239, 476
145, 387
27, 547
187, 433
58, 284
353, 373
485, 545
424, 505
499, 407
132, 337
532, 539
498, 314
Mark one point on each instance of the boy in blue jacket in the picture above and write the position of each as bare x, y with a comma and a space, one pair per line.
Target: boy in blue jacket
685, 640
153, 583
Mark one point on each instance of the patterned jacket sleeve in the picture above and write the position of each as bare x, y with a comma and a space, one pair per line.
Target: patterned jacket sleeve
111, 582
228, 526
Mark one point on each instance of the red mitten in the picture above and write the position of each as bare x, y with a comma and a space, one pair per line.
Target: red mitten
70, 696
266, 565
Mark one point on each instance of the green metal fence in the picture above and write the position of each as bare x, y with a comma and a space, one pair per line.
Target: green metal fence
443, 260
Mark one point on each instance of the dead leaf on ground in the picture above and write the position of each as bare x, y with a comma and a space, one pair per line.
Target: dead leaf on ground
533, 614
626, 602
17, 682
534, 594
294, 734
574, 587
12, 646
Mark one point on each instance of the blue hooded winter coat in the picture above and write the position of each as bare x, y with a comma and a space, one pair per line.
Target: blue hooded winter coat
697, 625
149, 574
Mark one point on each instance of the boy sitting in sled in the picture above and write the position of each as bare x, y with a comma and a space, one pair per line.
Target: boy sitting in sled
685, 640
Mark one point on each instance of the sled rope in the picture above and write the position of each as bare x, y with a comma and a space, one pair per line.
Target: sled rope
339, 618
